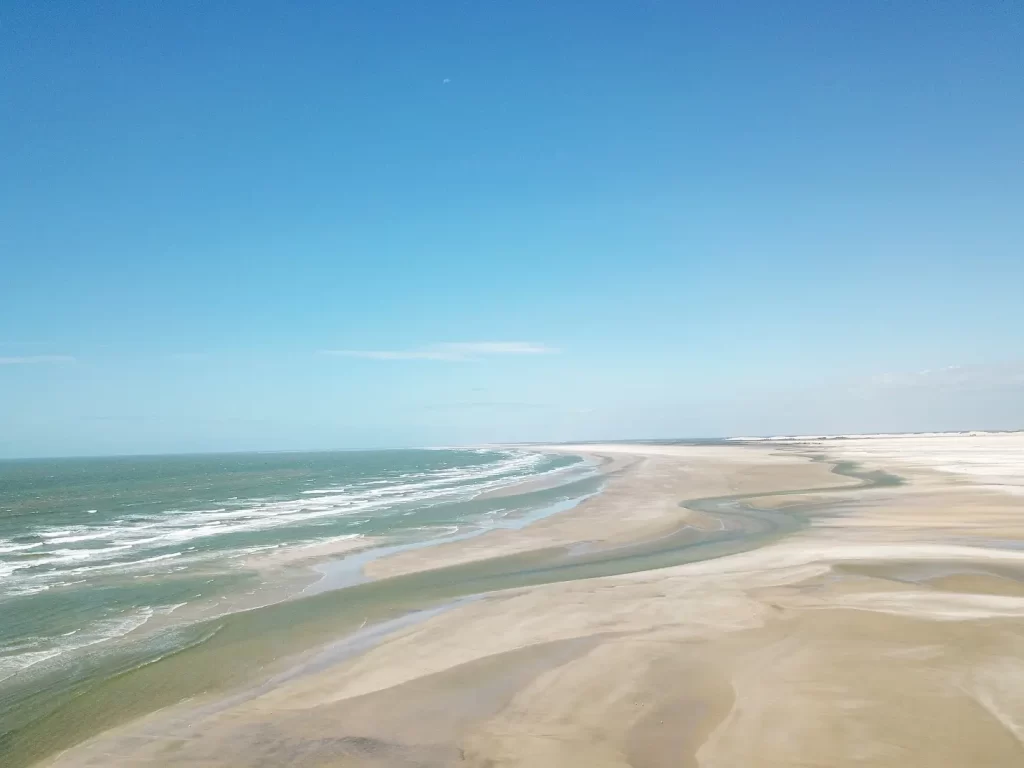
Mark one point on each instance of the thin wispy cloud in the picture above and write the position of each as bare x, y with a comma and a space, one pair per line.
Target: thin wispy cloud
451, 352
953, 378
488, 405
384, 354
36, 359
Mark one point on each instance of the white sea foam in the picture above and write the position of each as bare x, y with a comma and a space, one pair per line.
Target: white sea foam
74, 537
144, 545
118, 544
126, 565
6, 545
28, 652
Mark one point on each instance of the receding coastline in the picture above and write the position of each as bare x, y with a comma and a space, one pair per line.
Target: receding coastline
231, 650
590, 650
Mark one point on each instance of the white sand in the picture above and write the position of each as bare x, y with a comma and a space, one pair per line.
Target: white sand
891, 634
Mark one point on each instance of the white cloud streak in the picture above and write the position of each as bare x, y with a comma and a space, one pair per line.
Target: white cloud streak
953, 378
383, 354
450, 352
31, 359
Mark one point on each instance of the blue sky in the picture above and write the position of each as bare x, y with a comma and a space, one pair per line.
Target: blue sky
233, 226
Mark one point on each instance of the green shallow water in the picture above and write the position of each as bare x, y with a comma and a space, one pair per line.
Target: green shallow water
238, 649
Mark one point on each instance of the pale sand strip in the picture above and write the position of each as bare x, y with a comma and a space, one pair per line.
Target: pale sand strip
643, 504
892, 634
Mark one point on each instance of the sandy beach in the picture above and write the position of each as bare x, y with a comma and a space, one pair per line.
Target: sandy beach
884, 627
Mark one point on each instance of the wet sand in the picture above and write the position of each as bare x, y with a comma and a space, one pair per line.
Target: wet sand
641, 501
883, 627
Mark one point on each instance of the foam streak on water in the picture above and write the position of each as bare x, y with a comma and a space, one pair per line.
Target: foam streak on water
92, 549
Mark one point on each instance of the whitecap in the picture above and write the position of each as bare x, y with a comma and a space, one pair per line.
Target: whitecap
97, 632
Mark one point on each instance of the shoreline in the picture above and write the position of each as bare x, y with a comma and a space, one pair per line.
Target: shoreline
285, 574
529, 566
298, 571
724, 591
612, 531
356, 568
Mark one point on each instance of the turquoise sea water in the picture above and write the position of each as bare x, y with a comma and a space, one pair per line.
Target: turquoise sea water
94, 552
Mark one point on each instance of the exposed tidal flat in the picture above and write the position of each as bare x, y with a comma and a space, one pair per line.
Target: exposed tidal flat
108, 566
808, 602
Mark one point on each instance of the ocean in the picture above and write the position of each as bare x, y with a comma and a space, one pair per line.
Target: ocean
104, 561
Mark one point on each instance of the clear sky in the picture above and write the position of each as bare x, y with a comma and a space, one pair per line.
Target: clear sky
255, 225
